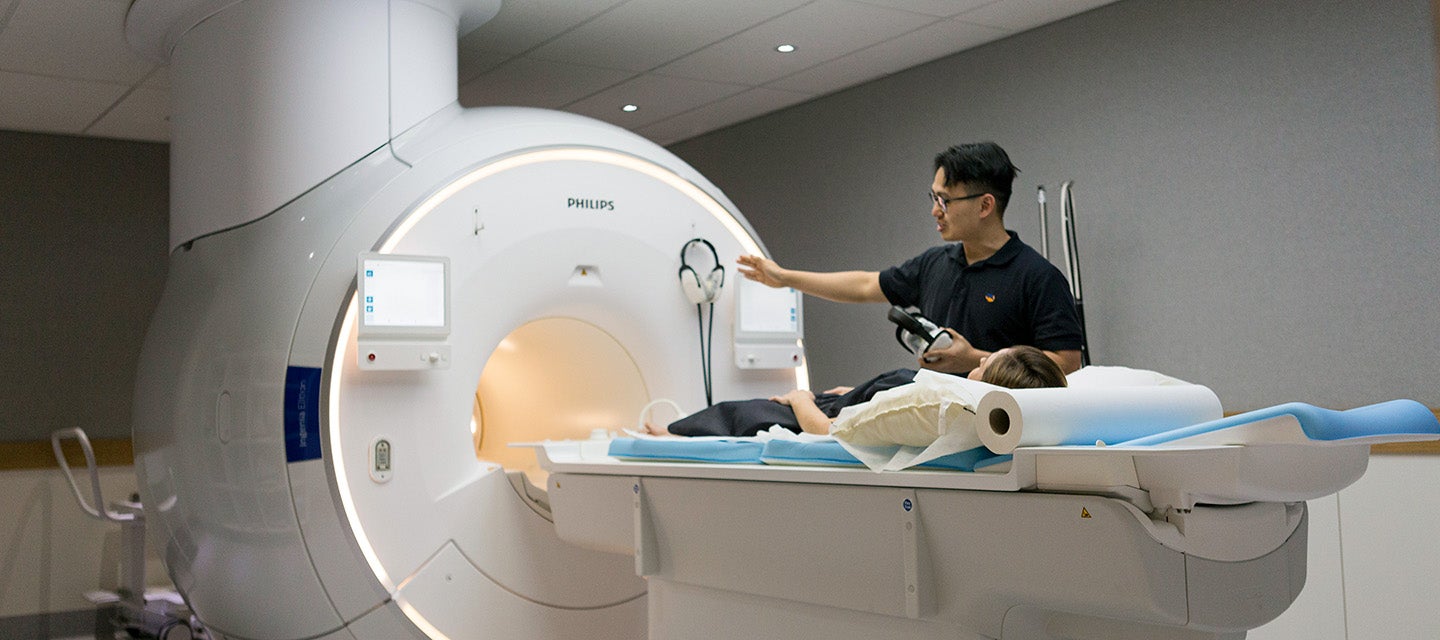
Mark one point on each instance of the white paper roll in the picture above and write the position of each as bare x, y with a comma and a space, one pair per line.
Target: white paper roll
1012, 418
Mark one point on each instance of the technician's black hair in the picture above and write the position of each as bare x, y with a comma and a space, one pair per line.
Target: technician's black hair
980, 165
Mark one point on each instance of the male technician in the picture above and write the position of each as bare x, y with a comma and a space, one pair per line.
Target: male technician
987, 288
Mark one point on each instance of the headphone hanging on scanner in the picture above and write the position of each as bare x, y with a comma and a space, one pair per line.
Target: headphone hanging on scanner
701, 290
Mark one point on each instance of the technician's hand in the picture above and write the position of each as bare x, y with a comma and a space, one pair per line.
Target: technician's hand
839, 391
798, 395
760, 269
959, 357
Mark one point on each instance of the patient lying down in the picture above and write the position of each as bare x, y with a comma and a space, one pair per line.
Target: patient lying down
1020, 367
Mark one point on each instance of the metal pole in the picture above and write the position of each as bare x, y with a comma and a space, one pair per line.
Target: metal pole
1044, 223
1072, 263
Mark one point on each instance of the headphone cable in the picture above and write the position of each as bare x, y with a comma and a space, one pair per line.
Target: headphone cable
706, 348
709, 357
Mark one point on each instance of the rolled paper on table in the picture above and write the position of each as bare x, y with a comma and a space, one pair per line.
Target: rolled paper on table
1011, 418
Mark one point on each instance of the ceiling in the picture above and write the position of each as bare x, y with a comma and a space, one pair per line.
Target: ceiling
688, 66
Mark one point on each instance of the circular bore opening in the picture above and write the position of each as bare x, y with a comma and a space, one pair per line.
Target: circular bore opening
1000, 421
556, 379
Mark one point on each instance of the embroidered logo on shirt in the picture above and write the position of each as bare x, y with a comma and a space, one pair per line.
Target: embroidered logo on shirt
989, 297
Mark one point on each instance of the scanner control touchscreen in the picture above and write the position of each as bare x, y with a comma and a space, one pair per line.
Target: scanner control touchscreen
404, 293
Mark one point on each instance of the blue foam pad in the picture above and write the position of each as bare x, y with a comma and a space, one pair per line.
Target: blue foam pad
987, 462
1396, 417
826, 452
968, 460
829, 452
688, 449
743, 451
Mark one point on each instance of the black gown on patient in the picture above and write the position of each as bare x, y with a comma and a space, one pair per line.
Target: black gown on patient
748, 417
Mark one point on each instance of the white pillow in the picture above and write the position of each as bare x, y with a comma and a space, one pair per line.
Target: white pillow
911, 415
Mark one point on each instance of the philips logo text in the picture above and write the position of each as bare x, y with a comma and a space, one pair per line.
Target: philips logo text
600, 205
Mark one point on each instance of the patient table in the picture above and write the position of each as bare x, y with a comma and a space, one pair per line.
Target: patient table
1197, 533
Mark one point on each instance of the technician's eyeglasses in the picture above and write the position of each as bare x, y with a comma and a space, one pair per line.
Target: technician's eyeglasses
939, 201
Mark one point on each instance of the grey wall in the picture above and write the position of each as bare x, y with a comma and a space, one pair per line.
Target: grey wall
83, 238
1256, 188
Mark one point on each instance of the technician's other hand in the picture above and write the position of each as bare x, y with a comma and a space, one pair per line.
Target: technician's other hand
789, 399
760, 269
839, 391
959, 357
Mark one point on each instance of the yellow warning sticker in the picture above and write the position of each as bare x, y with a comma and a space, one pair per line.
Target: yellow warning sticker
1084, 513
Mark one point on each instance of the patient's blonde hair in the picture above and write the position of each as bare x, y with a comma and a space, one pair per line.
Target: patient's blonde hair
1023, 367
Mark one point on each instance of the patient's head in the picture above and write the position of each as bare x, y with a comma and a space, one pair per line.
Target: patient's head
1019, 367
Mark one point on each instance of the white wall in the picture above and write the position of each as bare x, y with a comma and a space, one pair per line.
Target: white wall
52, 553
1374, 563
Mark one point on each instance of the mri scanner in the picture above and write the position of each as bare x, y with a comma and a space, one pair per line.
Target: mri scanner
373, 292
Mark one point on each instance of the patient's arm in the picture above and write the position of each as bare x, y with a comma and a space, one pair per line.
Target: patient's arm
810, 417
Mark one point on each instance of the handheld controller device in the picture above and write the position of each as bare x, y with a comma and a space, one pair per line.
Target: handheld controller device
916, 332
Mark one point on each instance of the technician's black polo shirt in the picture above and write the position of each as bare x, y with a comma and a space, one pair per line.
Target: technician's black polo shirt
1011, 298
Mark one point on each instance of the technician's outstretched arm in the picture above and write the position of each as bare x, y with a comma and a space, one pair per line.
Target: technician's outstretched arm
839, 286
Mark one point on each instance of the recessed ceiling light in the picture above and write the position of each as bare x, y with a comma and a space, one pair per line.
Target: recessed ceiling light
785, 48
629, 108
